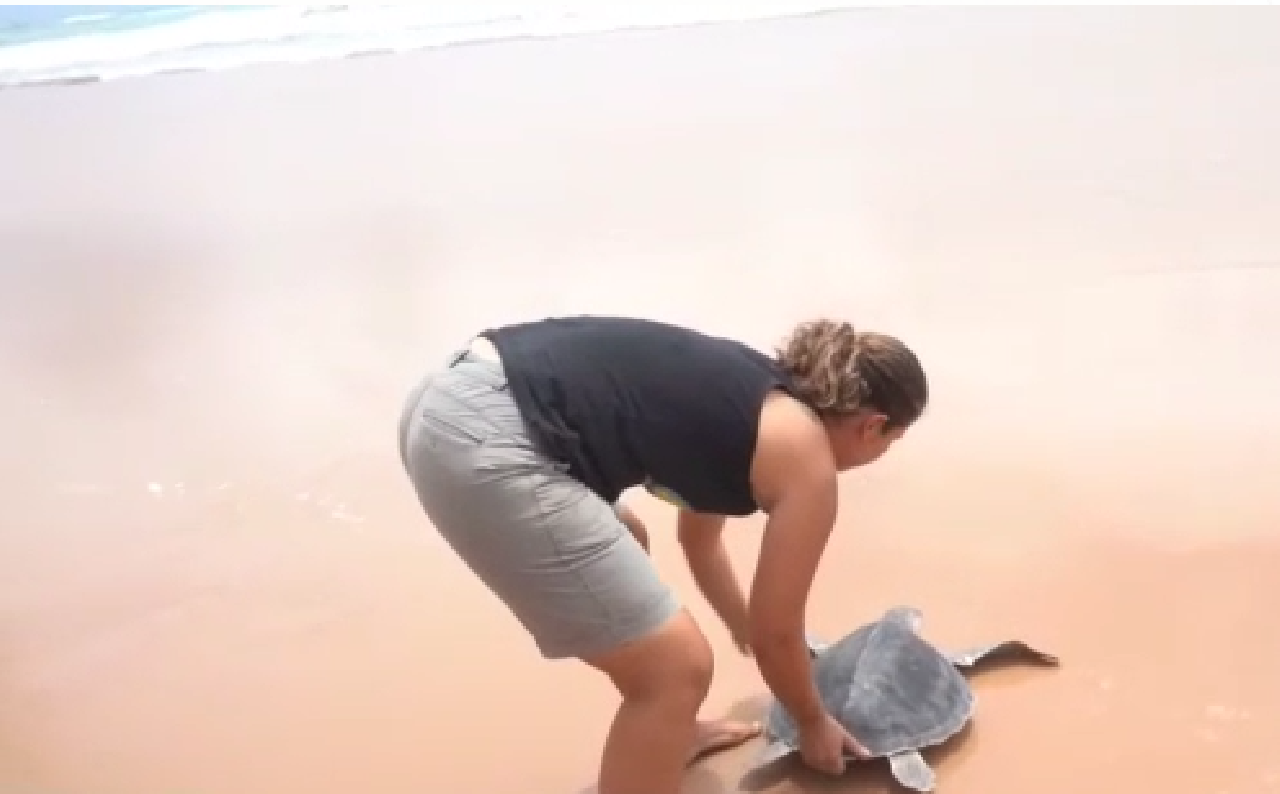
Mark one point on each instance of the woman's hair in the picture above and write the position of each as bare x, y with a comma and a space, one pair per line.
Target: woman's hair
837, 370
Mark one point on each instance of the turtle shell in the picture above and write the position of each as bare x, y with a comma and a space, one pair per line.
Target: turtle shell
889, 688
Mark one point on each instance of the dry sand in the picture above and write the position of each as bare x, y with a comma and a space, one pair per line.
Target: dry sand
216, 289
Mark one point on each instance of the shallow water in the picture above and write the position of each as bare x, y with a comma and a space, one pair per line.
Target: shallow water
42, 45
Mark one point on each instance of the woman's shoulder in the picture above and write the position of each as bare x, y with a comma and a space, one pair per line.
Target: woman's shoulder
789, 428
792, 448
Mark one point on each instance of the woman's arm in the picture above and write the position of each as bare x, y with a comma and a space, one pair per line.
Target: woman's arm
701, 538
795, 479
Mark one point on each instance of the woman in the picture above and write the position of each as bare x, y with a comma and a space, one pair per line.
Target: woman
520, 449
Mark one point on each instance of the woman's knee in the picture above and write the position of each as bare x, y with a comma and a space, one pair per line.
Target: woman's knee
674, 662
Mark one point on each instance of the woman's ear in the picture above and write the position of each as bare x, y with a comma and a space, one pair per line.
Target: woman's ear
872, 425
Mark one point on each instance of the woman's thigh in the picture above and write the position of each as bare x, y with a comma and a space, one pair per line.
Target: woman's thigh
554, 552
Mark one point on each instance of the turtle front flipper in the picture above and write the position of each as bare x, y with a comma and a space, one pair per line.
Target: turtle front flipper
1010, 650
911, 770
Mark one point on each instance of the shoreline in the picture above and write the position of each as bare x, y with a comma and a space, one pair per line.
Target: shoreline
363, 50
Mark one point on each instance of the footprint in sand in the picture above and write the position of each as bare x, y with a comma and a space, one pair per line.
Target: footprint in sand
1223, 716
1097, 701
1221, 713
338, 511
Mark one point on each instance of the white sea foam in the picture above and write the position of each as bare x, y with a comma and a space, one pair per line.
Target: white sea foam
219, 39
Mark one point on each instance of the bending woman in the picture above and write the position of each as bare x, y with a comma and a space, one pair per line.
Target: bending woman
520, 448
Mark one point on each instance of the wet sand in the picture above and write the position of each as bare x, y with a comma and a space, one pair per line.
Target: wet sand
217, 288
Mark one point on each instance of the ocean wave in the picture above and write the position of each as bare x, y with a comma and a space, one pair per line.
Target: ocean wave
105, 45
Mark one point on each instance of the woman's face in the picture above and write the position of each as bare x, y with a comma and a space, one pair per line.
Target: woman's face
861, 438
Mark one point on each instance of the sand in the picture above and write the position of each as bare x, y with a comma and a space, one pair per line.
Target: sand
217, 288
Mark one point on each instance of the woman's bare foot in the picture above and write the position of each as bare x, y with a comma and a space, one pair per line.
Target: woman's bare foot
716, 735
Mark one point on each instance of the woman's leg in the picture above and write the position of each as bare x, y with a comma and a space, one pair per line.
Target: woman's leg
566, 567
711, 735
663, 679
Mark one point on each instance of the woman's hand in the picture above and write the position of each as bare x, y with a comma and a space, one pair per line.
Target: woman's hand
825, 745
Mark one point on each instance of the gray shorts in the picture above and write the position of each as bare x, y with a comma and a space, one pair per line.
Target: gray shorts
553, 551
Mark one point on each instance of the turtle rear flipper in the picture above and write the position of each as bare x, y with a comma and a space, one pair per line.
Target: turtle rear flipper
911, 770
1008, 651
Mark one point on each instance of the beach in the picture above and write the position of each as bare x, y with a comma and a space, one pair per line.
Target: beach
217, 289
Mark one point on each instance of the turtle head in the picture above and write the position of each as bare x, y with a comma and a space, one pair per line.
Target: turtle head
910, 617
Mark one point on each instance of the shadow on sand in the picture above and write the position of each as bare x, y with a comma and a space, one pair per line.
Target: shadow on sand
863, 777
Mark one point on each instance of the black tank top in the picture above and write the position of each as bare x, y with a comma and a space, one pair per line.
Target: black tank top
627, 402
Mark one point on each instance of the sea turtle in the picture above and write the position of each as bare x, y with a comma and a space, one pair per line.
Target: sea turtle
893, 691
